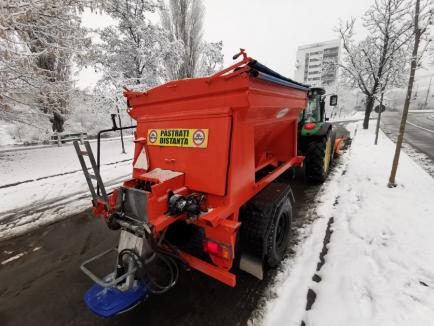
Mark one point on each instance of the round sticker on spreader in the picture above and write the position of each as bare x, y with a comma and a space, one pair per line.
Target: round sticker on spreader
153, 136
198, 137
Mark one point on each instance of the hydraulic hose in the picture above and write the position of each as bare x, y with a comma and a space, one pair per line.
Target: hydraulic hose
144, 271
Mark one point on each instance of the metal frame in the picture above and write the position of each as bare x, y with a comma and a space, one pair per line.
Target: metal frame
101, 281
98, 153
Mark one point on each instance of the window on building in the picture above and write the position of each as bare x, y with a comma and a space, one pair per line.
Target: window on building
328, 50
314, 53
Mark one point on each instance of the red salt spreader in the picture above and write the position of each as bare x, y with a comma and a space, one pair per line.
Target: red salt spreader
206, 191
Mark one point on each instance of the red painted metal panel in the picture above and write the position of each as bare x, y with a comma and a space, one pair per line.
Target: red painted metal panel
251, 123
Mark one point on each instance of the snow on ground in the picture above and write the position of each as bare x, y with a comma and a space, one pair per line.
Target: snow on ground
379, 268
345, 116
421, 111
421, 158
39, 186
5, 136
32, 163
352, 116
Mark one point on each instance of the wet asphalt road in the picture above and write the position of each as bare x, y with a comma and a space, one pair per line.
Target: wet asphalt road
419, 131
45, 286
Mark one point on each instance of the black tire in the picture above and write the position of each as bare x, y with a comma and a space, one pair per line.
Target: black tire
266, 223
317, 165
277, 241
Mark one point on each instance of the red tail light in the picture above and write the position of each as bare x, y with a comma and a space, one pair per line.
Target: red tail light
309, 126
217, 249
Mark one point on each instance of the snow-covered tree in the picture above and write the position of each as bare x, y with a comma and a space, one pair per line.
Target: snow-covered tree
38, 40
135, 52
379, 61
211, 58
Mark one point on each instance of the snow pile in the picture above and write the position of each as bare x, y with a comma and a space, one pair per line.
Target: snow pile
379, 268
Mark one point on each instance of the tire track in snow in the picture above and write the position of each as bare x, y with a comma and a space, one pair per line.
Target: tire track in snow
311, 294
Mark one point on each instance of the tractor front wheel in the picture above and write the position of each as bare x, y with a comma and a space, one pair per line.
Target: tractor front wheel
319, 155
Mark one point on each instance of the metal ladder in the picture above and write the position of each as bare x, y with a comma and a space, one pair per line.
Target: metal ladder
89, 177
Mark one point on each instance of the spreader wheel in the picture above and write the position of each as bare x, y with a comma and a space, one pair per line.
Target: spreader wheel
279, 234
265, 228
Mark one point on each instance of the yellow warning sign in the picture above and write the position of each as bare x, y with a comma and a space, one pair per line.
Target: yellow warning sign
178, 137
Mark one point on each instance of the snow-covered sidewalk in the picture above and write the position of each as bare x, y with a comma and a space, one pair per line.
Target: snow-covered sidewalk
379, 266
36, 162
43, 185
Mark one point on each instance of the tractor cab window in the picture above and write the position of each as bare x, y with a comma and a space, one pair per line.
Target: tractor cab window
312, 112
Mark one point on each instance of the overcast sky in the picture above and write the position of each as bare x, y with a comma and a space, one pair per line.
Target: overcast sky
270, 30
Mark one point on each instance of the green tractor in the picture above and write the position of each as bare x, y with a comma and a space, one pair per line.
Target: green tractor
317, 137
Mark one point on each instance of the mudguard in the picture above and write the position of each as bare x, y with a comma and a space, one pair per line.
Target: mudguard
256, 225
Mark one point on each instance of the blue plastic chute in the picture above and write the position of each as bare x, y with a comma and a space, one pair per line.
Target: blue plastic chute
108, 302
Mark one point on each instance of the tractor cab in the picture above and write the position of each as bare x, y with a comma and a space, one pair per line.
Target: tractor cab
315, 106
317, 138
313, 117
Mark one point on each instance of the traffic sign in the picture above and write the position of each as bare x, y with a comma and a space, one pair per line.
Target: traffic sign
377, 108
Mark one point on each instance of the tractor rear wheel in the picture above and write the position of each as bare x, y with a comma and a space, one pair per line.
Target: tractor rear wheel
319, 155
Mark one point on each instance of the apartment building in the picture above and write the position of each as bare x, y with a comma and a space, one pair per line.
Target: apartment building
313, 63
